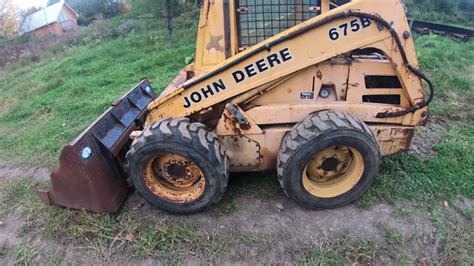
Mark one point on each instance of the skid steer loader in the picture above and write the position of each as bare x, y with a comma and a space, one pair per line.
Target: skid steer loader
315, 90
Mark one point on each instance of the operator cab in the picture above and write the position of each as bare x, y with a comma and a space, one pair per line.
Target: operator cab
258, 20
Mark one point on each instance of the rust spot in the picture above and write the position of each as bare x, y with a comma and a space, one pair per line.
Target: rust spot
245, 126
231, 119
409, 137
226, 117
424, 118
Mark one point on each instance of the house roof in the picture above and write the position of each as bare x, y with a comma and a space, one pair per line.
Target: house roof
44, 17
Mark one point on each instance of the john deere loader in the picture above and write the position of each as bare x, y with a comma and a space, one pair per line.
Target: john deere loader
315, 91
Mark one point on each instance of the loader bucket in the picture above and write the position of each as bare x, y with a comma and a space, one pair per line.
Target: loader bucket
90, 175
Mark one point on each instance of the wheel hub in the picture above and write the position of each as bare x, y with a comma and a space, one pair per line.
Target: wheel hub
180, 173
174, 178
330, 164
333, 171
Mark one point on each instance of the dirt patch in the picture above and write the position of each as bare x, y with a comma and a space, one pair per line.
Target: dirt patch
42, 251
465, 203
257, 216
3, 109
9, 171
426, 137
280, 229
256, 230
9, 236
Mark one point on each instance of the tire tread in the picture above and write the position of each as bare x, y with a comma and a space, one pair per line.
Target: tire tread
195, 134
312, 127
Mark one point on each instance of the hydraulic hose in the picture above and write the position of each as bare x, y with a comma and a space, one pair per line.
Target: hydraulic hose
410, 67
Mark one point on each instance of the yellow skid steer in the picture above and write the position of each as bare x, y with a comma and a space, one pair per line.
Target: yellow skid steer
314, 90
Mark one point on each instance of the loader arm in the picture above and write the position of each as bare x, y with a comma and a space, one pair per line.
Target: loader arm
382, 25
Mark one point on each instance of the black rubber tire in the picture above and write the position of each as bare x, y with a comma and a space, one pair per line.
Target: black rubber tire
314, 134
192, 140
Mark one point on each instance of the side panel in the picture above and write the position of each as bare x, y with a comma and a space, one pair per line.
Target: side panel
273, 114
370, 78
259, 152
338, 79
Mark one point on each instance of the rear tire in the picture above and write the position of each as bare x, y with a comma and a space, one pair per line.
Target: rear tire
328, 160
178, 166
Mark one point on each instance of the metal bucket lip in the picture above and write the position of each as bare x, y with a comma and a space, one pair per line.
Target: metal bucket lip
90, 175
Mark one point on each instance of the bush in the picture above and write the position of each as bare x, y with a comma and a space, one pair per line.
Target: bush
443, 11
467, 5
446, 6
83, 21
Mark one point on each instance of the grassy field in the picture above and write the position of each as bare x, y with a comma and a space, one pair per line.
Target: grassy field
46, 104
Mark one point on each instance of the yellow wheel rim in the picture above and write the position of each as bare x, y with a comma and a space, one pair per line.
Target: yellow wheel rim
333, 171
174, 178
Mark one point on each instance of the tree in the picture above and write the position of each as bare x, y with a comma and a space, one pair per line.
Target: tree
89, 9
8, 16
466, 5
23, 14
160, 9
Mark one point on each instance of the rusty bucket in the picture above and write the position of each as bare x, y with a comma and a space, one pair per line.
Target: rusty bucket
90, 175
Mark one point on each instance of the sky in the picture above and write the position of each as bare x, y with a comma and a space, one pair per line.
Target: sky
24, 4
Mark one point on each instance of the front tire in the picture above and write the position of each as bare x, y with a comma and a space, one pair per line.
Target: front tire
328, 160
178, 166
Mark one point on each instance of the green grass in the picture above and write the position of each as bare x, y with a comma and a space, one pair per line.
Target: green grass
263, 186
45, 105
345, 250
454, 246
24, 253
442, 177
392, 236
17, 196
468, 213
456, 240
450, 65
